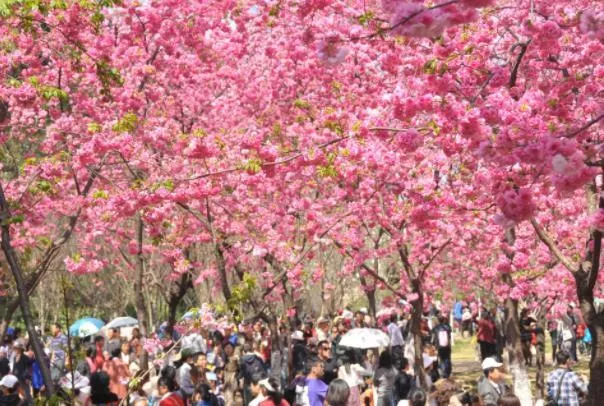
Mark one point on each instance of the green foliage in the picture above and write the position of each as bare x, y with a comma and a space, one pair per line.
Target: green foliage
366, 18
302, 104
242, 292
108, 76
252, 165
126, 124
16, 219
334, 126
100, 194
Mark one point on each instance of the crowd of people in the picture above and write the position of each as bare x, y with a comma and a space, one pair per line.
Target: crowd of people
243, 365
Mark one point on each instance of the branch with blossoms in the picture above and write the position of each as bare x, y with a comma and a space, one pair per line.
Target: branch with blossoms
551, 245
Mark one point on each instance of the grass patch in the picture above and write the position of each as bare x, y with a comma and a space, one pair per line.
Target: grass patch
466, 367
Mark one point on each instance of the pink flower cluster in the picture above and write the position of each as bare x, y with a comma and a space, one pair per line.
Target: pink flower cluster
81, 267
592, 24
413, 19
597, 220
329, 51
516, 205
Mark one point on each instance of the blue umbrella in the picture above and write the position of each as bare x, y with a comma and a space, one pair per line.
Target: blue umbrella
86, 327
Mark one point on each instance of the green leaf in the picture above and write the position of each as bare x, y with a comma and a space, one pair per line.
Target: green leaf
126, 124
366, 18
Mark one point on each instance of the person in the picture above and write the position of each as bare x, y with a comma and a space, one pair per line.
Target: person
508, 400
4, 362
396, 340
9, 391
231, 370
22, 363
403, 383
352, 373
204, 396
322, 329
118, 374
100, 394
58, 345
331, 363
114, 342
367, 395
441, 338
249, 365
552, 327
300, 353
255, 391
486, 336
383, 379
98, 358
564, 386
466, 322
183, 377
526, 335
166, 388
338, 393
490, 386
272, 393
417, 397
317, 389
567, 332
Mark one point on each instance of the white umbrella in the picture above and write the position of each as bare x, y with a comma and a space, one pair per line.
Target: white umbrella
365, 338
122, 322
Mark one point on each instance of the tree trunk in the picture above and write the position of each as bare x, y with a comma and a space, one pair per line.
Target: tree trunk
370, 293
596, 364
540, 358
176, 295
15, 267
141, 308
416, 318
517, 366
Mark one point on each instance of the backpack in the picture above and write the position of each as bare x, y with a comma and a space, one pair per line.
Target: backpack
255, 367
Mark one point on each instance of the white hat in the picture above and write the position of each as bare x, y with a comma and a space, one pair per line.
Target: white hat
322, 320
298, 335
266, 384
490, 362
9, 381
363, 310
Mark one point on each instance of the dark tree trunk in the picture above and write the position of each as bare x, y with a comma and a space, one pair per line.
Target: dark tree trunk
15, 267
141, 307
540, 358
176, 294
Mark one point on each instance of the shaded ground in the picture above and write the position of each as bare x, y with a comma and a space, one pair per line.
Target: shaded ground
466, 367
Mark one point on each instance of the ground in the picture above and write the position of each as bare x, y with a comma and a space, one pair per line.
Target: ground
466, 367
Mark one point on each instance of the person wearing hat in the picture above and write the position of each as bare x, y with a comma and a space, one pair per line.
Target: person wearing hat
491, 385
184, 372
22, 362
9, 388
272, 393
299, 351
322, 328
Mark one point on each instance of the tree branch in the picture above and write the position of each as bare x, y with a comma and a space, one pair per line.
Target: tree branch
553, 248
514, 75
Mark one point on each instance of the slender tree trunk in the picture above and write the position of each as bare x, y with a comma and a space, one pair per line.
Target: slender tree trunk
416, 318
370, 293
540, 359
141, 308
15, 267
517, 366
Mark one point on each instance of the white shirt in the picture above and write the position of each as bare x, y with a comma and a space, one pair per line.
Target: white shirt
396, 337
354, 377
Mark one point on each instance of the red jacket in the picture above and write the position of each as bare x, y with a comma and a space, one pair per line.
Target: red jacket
486, 331
172, 400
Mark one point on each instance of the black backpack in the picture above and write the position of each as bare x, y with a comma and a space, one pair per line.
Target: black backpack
255, 367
